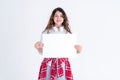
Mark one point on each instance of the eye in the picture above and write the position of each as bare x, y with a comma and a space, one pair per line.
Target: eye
61, 16
56, 16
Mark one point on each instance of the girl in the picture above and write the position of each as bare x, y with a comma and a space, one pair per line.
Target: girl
56, 68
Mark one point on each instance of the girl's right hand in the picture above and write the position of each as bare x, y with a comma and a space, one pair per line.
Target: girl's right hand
39, 46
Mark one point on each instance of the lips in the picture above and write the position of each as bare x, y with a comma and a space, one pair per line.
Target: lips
58, 20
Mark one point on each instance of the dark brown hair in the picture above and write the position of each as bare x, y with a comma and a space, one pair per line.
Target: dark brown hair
51, 20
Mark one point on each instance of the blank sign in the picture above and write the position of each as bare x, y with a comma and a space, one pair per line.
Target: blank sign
59, 45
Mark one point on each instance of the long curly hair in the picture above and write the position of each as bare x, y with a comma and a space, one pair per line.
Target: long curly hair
51, 22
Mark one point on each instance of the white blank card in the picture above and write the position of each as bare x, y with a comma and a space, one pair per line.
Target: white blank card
59, 45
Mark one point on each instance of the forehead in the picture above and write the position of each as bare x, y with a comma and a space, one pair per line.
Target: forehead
58, 13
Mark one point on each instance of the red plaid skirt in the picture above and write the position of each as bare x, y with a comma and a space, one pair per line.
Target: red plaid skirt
56, 68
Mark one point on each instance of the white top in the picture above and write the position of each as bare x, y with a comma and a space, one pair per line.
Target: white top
55, 30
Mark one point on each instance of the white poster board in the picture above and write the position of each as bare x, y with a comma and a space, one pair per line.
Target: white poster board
59, 45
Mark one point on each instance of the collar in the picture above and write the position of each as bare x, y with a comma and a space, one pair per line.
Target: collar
61, 29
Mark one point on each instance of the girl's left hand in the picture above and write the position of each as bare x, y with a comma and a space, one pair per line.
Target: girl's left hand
78, 48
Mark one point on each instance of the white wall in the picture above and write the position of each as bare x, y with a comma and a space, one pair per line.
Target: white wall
95, 22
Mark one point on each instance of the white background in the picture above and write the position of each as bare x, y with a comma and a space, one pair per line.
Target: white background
96, 23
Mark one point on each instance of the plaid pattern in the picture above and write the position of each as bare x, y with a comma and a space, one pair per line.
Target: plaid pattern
56, 69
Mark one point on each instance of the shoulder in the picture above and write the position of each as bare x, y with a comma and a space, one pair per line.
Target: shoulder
47, 31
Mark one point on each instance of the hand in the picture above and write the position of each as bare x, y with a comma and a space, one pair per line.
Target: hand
78, 48
39, 46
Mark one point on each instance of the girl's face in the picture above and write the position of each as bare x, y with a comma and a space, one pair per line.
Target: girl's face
58, 18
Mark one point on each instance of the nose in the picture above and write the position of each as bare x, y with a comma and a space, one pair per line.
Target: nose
58, 17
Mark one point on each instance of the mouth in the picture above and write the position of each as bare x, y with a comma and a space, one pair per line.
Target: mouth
58, 20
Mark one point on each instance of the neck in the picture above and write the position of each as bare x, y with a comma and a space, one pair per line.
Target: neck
58, 26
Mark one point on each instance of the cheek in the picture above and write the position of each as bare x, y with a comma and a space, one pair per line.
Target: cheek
55, 19
62, 20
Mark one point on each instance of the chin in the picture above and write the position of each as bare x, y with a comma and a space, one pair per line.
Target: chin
59, 23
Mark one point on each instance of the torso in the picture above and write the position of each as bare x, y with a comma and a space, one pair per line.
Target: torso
55, 30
